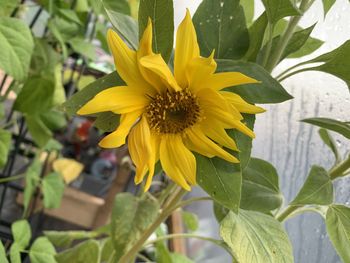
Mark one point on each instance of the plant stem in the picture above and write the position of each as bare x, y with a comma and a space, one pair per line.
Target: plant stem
11, 178
292, 67
293, 73
143, 258
287, 212
168, 209
284, 40
339, 170
269, 44
191, 200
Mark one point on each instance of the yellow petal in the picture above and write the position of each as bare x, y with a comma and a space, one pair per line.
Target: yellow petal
200, 143
241, 104
156, 64
68, 168
213, 103
199, 71
125, 60
141, 151
186, 49
177, 161
222, 80
119, 100
117, 138
155, 142
218, 134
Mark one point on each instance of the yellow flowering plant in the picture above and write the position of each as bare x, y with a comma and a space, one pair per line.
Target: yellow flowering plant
185, 109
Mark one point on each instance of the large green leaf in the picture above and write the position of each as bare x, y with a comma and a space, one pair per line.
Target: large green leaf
256, 36
42, 251
3, 257
81, 46
32, 181
130, 217
310, 45
36, 95
255, 238
317, 189
40, 133
340, 127
21, 233
248, 7
53, 188
5, 145
126, 27
65, 238
15, 253
260, 189
86, 252
74, 103
162, 14
277, 9
16, 47
221, 180
329, 141
268, 91
221, 25
121, 6
338, 229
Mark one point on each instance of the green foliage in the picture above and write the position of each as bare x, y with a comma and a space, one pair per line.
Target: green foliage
327, 5
190, 220
161, 13
254, 237
221, 25
329, 141
65, 238
7, 7
86, 252
277, 9
21, 233
16, 47
53, 188
121, 6
179, 258
248, 7
81, 46
338, 229
268, 91
32, 181
3, 257
5, 145
107, 121
130, 218
15, 255
340, 127
317, 189
260, 189
42, 251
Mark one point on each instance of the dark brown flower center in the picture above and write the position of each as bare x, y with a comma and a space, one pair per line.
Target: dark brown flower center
173, 112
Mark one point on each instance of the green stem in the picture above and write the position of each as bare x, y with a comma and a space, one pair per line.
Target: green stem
187, 235
11, 178
293, 73
284, 40
168, 209
191, 200
339, 170
143, 258
293, 67
287, 212
269, 44
165, 193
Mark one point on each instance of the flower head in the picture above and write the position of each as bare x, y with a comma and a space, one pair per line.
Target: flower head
165, 116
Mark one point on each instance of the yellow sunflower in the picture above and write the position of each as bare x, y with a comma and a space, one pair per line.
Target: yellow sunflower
166, 116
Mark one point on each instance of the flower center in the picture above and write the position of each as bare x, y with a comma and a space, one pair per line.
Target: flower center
173, 112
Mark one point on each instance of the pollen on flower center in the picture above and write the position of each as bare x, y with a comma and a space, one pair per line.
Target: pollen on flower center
173, 112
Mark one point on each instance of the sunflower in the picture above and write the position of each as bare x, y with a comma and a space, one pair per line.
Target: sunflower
166, 116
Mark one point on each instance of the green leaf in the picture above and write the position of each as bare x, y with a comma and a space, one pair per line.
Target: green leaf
82, 6
107, 249
311, 45
35, 96
2, 110
65, 238
220, 211
338, 229
15, 253
121, 6
130, 217
329, 141
40, 133
59, 95
74, 103
5, 146
340, 127
86, 252
21, 233
32, 181
3, 257
221, 180
268, 91
161, 13
163, 254
221, 25
107, 121
69, 15
126, 27
277, 9
260, 189
16, 47
317, 189
336, 62
53, 119
42, 251
179, 258
53, 188
254, 237
53, 145
256, 36
190, 220
7, 7
81, 46
327, 5
248, 7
